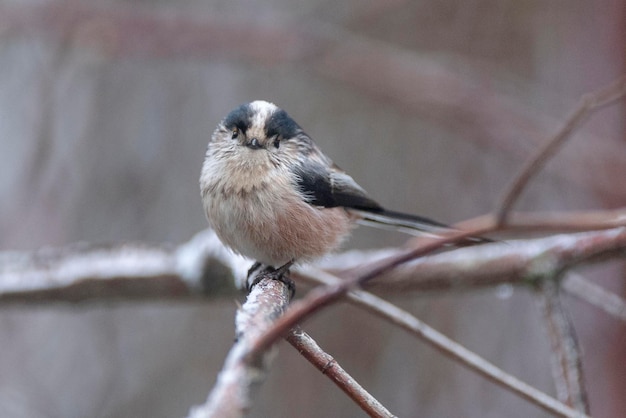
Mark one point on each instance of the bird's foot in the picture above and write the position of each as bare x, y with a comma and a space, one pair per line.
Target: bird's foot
256, 274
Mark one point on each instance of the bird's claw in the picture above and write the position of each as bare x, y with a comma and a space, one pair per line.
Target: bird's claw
281, 274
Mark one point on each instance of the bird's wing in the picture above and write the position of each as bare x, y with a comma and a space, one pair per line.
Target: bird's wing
329, 187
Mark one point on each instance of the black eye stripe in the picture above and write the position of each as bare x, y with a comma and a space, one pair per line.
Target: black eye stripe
239, 118
280, 124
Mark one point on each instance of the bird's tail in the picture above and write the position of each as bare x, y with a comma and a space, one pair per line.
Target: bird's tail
410, 224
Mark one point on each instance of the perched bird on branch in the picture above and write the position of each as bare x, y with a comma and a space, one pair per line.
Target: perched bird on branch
272, 195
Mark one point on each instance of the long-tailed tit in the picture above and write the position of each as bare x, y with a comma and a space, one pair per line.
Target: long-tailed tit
270, 193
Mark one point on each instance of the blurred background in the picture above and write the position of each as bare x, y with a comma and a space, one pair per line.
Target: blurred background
105, 111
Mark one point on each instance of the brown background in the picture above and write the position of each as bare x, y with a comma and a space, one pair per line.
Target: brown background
105, 111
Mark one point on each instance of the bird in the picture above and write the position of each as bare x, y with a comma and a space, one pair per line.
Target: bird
272, 195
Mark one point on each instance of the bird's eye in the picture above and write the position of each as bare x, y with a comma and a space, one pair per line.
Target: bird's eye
277, 141
235, 133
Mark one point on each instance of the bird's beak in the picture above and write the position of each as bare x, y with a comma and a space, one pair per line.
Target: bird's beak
254, 144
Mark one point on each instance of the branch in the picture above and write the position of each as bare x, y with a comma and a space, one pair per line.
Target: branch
319, 298
566, 359
81, 270
593, 294
478, 267
329, 367
202, 267
242, 373
589, 103
549, 222
519, 262
443, 344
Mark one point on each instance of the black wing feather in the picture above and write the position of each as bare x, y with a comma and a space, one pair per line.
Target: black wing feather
330, 188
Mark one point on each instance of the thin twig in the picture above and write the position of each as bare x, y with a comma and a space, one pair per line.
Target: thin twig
589, 103
445, 345
593, 294
325, 363
565, 354
549, 222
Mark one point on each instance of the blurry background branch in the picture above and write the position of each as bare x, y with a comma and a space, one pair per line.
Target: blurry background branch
106, 107
138, 271
567, 368
449, 348
203, 268
386, 72
589, 103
